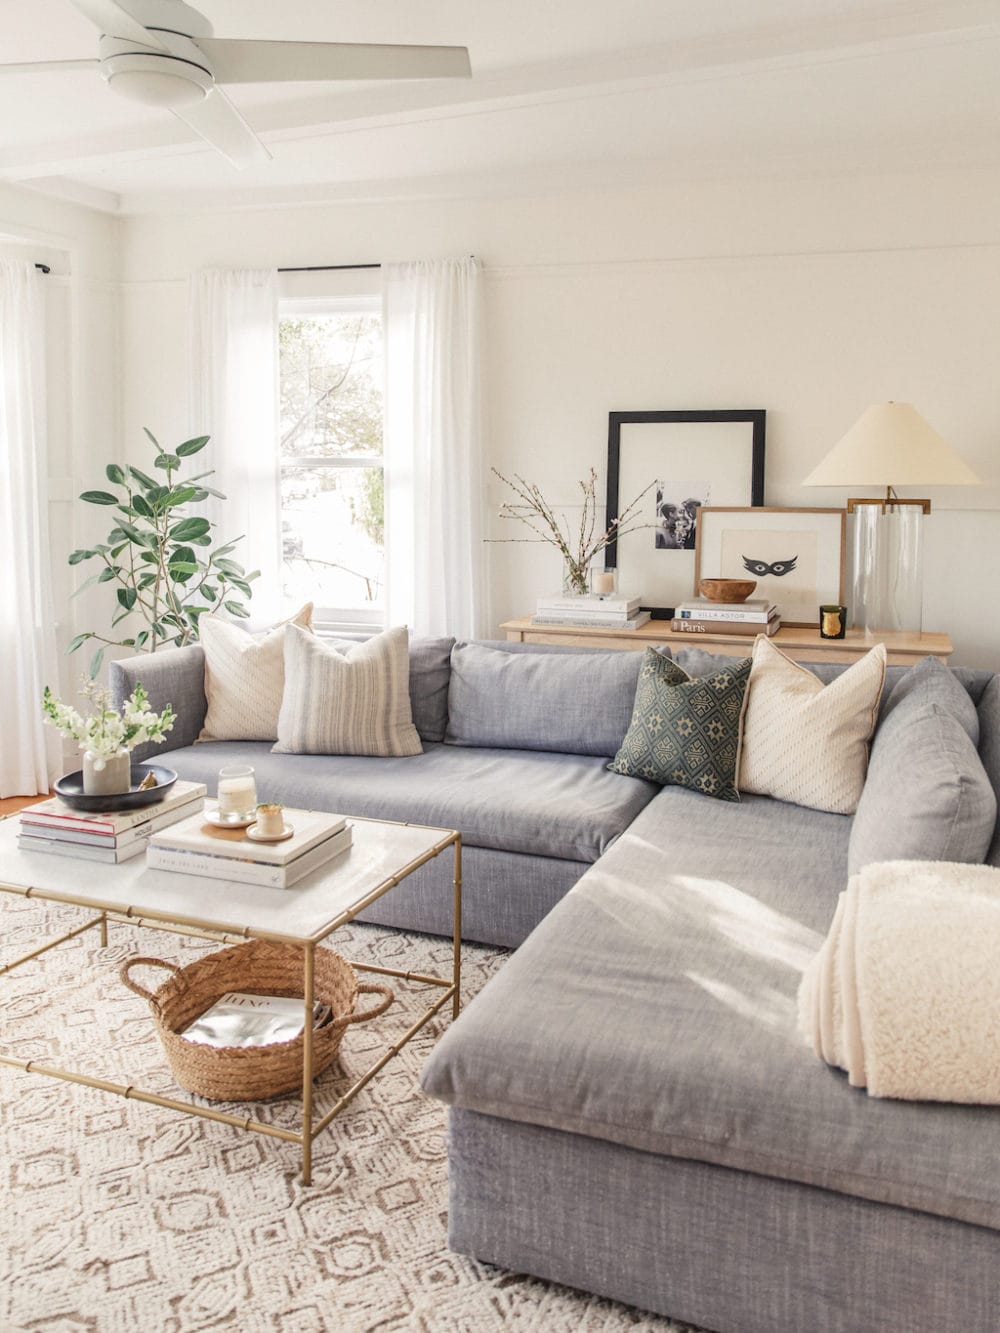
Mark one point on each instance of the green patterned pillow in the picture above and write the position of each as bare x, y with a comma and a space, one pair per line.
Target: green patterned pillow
685, 732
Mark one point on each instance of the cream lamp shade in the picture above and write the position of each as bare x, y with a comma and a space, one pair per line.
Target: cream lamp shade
892, 445
889, 445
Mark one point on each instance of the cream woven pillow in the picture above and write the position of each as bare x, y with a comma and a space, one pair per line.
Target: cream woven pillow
353, 702
804, 741
244, 678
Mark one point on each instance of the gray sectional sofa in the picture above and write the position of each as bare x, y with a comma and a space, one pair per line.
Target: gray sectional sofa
632, 1109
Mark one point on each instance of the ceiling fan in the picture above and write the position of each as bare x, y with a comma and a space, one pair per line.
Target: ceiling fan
163, 53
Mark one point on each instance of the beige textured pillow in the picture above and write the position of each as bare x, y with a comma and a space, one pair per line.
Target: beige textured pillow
356, 702
804, 741
244, 678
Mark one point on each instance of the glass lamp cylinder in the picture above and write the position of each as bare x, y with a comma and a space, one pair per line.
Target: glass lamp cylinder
888, 567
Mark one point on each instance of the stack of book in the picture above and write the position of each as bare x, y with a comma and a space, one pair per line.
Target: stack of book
196, 848
700, 616
611, 612
104, 835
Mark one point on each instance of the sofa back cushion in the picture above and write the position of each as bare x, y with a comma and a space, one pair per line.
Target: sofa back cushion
569, 703
927, 797
244, 677
989, 751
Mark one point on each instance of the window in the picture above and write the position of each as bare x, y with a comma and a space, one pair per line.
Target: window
330, 452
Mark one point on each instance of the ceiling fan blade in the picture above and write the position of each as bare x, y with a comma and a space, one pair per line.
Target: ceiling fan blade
41, 66
114, 20
287, 62
218, 122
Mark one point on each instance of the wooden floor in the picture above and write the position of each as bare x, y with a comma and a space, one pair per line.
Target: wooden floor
10, 804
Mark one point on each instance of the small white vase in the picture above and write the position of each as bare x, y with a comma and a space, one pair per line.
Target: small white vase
110, 776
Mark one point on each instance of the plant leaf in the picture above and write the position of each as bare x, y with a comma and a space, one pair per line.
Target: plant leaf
167, 462
181, 496
77, 640
146, 581
143, 478
149, 434
126, 598
189, 529
76, 556
194, 446
87, 583
95, 662
99, 498
142, 507
107, 574
115, 473
141, 637
237, 609
229, 567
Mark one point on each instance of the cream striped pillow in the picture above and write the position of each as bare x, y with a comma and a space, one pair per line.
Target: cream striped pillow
356, 702
244, 678
806, 742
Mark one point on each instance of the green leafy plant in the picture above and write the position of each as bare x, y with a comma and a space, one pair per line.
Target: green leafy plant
152, 555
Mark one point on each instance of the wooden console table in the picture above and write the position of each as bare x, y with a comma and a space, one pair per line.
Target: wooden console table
804, 645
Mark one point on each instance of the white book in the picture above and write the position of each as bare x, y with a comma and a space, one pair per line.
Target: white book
586, 612
592, 601
709, 611
60, 830
82, 851
194, 834
592, 622
239, 871
57, 812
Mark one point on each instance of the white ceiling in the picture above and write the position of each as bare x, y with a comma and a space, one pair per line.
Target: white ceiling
563, 92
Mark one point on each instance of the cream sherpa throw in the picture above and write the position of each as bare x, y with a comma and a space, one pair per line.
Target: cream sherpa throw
905, 992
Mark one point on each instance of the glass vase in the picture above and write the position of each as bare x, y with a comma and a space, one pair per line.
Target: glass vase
576, 580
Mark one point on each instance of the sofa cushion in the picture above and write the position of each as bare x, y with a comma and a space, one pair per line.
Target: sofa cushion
684, 732
655, 1007
927, 796
356, 702
430, 669
804, 741
244, 678
988, 711
567, 703
563, 806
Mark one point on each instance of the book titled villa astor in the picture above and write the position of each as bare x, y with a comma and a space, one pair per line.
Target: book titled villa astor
193, 847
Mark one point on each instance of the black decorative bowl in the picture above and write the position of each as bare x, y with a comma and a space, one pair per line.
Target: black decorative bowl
70, 789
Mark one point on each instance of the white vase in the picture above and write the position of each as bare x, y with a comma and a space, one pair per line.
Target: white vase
109, 776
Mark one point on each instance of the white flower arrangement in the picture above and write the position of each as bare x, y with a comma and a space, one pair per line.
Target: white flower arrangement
104, 732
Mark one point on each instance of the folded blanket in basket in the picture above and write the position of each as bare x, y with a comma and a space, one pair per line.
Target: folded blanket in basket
905, 992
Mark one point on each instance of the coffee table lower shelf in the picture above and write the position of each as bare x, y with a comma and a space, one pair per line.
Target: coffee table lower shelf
312, 1126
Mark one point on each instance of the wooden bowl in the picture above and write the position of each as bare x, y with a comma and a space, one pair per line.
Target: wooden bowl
726, 590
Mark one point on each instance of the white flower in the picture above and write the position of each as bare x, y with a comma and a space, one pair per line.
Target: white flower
106, 732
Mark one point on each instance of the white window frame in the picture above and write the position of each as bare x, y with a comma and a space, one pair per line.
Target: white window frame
349, 622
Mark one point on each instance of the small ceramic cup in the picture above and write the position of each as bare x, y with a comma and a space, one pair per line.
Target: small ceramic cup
270, 820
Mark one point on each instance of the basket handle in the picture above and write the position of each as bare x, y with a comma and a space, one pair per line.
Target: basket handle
365, 989
126, 967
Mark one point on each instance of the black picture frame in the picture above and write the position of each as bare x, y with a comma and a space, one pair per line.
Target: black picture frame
731, 458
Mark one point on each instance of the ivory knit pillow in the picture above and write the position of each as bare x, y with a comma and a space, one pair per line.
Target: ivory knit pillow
244, 678
356, 702
806, 742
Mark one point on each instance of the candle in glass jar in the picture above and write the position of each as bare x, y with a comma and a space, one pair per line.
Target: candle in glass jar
237, 792
604, 583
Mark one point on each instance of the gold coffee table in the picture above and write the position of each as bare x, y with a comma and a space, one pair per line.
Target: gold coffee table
226, 912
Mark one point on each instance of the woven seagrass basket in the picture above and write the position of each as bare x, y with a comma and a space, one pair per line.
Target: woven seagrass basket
250, 1073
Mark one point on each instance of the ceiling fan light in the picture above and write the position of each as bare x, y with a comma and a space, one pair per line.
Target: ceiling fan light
157, 80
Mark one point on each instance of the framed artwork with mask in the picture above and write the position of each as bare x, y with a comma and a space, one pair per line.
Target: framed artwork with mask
796, 556
682, 461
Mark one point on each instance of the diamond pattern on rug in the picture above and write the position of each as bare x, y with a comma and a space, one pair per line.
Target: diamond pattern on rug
685, 732
121, 1217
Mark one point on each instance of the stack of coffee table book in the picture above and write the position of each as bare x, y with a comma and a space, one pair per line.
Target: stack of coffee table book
700, 616
194, 847
610, 612
104, 835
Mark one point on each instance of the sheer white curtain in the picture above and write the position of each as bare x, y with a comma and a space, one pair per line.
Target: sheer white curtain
234, 383
29, 751
435, 497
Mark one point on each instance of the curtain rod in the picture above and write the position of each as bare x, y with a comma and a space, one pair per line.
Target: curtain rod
326, 268
44, 268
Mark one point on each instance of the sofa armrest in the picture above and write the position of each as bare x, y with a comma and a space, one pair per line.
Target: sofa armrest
174, 676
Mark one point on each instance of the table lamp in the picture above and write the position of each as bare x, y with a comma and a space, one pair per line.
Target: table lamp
889, 445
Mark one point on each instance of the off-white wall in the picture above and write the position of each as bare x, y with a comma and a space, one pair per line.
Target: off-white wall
811, 299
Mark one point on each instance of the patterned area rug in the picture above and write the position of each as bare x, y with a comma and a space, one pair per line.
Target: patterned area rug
121, 1217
